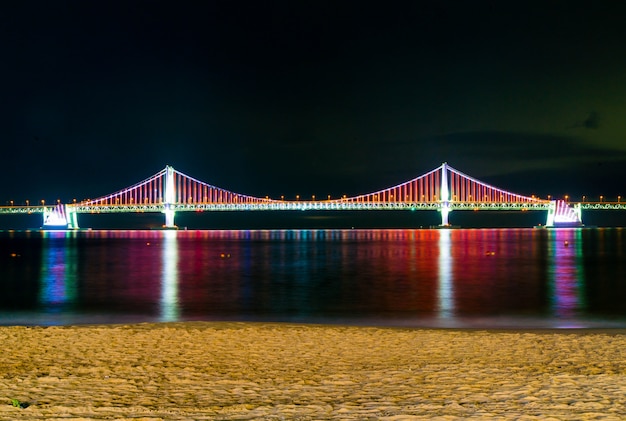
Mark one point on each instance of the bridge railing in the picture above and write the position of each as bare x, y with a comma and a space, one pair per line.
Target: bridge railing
25, 209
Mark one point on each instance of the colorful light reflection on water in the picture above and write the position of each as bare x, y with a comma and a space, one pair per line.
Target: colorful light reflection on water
567, 275
438, 278
58, 271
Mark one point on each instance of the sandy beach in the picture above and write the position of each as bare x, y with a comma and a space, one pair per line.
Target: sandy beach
248, 371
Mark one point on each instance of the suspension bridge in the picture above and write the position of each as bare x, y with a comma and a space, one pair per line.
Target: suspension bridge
444, 189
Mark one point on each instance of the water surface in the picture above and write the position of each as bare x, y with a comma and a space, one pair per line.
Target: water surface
418, 277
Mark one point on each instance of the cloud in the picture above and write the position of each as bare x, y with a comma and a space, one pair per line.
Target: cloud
521, 162
591, 121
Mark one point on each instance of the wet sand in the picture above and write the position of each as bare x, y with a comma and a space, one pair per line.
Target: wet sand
249, 371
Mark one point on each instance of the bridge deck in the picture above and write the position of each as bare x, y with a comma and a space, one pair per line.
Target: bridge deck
308, 205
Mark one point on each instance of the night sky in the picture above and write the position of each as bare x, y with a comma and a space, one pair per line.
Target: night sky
311, 97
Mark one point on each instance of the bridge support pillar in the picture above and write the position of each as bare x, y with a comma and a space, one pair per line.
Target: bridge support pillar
170, 198
445, 210
445, 196
169, 217
72, 218
551, 212
578, 210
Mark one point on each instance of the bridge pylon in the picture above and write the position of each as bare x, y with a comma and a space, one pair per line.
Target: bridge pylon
445, 207
170, 198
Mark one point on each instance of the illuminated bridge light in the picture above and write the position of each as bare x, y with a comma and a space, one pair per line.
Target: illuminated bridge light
444, 189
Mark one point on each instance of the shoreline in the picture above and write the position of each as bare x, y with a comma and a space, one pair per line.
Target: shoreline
249, 370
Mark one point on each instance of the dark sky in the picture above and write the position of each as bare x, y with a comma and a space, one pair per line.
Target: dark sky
311, 97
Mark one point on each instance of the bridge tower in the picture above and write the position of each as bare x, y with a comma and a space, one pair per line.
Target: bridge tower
170, 198
445, 196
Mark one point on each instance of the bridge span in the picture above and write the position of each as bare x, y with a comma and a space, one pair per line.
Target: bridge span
443, 189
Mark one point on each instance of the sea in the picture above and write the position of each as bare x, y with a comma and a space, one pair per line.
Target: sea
486, 278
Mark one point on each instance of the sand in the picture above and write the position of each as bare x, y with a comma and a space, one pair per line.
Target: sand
247, 371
